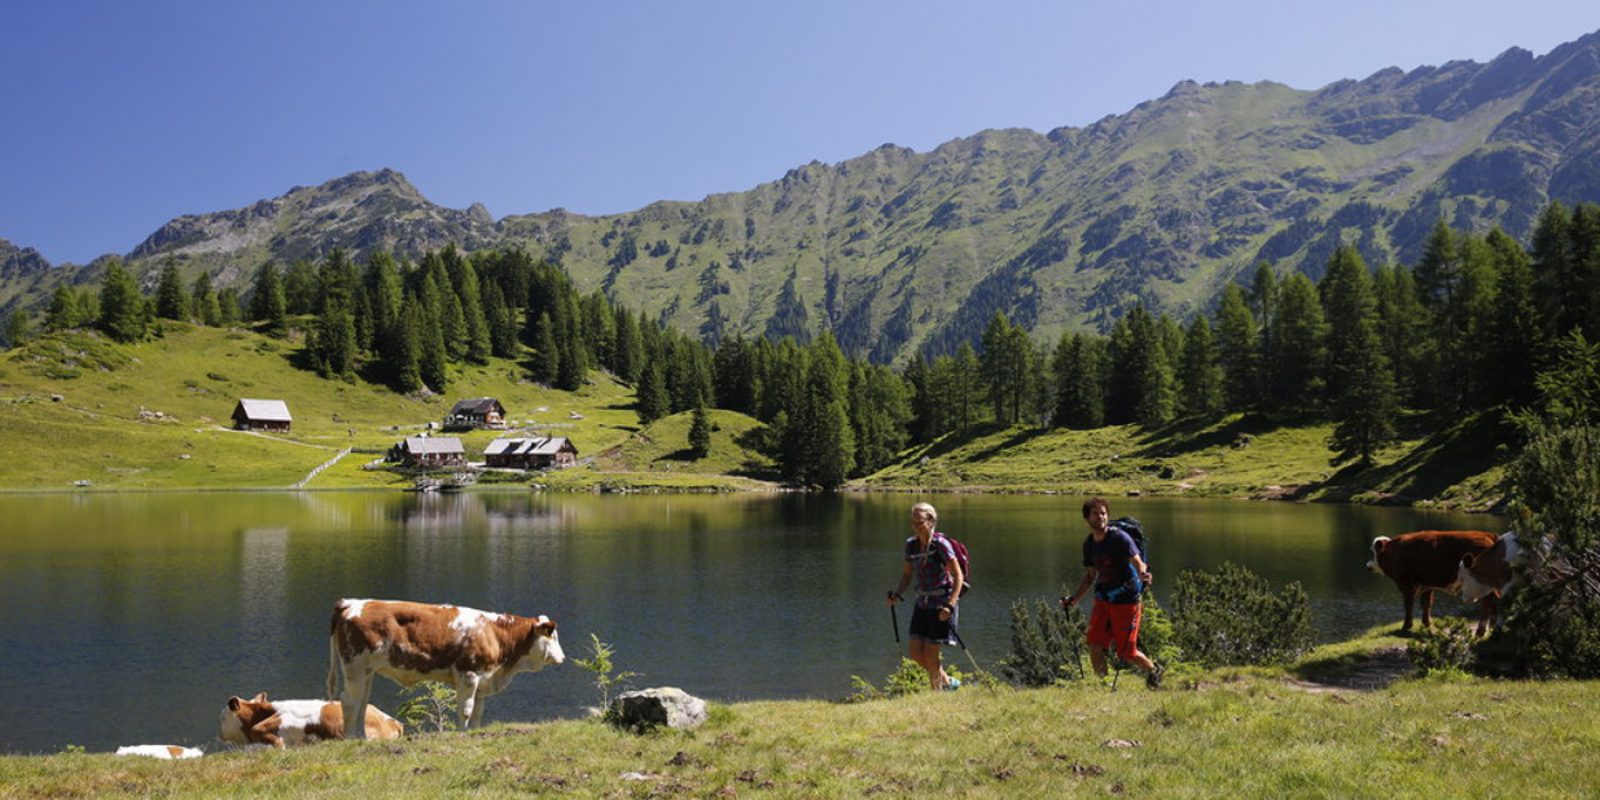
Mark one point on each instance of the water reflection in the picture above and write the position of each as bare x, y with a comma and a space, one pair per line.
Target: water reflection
171, 603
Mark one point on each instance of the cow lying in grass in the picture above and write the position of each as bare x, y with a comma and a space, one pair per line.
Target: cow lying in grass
477, 652
162, 751
281, 723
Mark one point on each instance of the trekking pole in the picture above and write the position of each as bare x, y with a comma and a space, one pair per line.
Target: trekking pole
977, 671
894, 621
1077, 654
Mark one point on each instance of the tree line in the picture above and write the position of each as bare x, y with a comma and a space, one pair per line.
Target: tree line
1468, 328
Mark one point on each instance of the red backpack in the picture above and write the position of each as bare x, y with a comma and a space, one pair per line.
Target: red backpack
961, 559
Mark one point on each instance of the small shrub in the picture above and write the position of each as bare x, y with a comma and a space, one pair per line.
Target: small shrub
1046, 644
606, 678
429, 705
1230, 616
908, 678
1445, 647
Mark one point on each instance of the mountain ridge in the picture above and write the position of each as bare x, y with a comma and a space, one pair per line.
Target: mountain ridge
897, 251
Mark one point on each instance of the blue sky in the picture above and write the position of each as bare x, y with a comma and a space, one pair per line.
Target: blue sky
119, 116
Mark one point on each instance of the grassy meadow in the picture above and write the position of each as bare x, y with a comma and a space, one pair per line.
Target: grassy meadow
155, 415
1246, 733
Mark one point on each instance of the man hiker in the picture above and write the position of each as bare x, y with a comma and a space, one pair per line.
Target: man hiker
1118, 574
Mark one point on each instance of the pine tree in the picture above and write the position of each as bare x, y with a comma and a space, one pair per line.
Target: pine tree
1400, 321
334, 345
1265, 292
1556, 281
230, 312
927, 419
652, 399
1360, 383
1236, 351
547, 356
302, 288
205, 305
122, 312
629, 355
1200, 375
1299, 351
64, 312
700, 433
171, 301
1080, 389
401, 347
1511, 356
19, 328
734, 380
963, 383
267, 300
829, 443
432, 356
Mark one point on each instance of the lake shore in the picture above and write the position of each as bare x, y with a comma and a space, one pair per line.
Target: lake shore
1256, 732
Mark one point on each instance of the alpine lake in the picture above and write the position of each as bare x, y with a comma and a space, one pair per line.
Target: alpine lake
132, 618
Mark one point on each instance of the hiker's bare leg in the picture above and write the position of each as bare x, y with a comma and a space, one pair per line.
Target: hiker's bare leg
1097, 659
926, 654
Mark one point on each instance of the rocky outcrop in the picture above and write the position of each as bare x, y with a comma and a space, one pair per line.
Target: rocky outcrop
652, 708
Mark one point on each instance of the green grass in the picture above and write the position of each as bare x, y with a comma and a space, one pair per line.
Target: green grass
1232, 456
1254, 733
70, 410
194, 375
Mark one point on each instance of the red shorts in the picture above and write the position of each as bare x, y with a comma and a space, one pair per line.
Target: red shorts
1115, 626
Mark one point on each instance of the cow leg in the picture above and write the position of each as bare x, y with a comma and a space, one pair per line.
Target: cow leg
1409, 596
1427, 608
467, 698
1488, 610
477, 706
268, 730
353, 703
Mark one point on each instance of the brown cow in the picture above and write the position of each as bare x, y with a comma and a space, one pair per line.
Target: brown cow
1425, 561
293, 722
477, 652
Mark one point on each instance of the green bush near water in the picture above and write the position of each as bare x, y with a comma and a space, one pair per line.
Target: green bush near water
1230, 616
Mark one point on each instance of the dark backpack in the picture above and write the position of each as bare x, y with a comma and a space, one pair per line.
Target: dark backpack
961, 560
1135, 531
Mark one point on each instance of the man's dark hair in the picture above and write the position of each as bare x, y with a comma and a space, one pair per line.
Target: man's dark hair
1093, 503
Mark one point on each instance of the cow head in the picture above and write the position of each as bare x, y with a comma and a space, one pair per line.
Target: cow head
240, 714
1472, 590
1378, 546
549, 644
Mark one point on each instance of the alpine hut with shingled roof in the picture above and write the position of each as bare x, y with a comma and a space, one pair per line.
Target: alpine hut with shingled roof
532, 453
477, 412
262, 415
430, 452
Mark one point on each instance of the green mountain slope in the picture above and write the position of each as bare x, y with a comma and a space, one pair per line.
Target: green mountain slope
896, 251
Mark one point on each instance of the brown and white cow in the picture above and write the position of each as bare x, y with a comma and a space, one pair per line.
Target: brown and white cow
1426, 561
1488, 573
477, 652
281, 723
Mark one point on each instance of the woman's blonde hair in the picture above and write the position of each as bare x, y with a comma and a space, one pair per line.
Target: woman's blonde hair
928, 507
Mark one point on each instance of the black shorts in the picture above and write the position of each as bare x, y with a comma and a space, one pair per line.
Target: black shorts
925, 625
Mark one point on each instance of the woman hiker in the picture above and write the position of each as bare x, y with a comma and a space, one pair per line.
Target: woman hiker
931, 561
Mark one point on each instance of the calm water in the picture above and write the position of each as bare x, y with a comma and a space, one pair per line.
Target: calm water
130, 619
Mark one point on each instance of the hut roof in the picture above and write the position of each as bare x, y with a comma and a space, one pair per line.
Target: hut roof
265, 410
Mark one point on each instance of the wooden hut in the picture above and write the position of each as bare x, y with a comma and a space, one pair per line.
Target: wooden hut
532, 453
430, 452
477, 412
262, 415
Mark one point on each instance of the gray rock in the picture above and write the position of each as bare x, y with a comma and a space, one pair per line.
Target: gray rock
666, 705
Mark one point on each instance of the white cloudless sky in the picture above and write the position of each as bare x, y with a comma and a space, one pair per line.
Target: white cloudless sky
117, 116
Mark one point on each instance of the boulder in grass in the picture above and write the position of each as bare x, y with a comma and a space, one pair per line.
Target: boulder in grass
650, 708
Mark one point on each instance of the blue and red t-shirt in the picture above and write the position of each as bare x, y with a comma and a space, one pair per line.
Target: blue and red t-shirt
927, 568
1115, 581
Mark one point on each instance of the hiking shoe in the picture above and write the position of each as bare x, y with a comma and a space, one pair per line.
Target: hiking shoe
1152, 679
952, 684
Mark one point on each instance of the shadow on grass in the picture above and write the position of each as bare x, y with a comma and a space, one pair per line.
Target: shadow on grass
1367, 670
1195, 434
1449, 456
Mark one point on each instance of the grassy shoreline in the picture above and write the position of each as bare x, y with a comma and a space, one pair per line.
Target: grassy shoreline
1257, 732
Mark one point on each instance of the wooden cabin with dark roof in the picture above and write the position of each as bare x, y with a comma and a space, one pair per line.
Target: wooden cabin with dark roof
477, 412
262, 415
429, 452
553, 452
